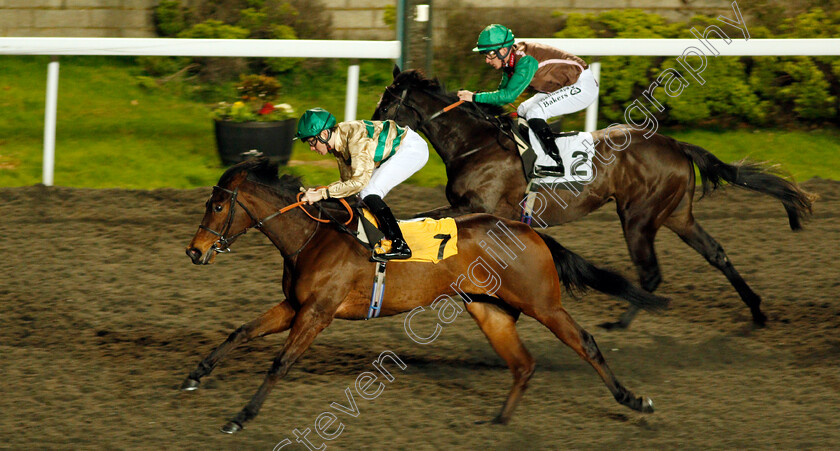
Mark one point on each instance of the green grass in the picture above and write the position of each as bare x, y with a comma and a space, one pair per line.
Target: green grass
802, 154
112, 132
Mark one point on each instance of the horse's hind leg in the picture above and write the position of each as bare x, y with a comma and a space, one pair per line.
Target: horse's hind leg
639, 232
694, 235
499, 326
277, 319
567, 330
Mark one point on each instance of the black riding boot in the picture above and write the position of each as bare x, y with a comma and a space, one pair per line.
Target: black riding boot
546, 136
388, 225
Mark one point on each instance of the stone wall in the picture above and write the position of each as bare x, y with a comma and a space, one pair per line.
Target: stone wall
363, 19
352, 19
76, 18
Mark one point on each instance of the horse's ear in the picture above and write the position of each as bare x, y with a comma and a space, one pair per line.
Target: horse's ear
396, 70
265, 168
237, 179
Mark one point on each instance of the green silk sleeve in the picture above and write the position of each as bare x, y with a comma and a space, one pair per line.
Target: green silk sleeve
510, 88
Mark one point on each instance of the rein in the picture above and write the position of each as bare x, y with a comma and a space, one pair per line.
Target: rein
301, 203
444, 110
422, 124
492, 119
470, 152
223, 242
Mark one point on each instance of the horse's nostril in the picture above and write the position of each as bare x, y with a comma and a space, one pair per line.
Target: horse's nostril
193, 253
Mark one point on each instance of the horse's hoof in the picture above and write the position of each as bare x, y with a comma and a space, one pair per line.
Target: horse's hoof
495, 420
613, 325
231, 427
647, 405
190, 384
760, 320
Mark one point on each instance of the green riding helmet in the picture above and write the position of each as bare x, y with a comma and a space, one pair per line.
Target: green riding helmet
494, 37
314, 121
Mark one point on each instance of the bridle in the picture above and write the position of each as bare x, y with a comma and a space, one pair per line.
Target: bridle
445, 109
423, 123
222, 244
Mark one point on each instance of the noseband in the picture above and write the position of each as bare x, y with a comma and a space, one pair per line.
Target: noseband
223, 243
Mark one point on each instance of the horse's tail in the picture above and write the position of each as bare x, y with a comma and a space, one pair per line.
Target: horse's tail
754, 176
577, 274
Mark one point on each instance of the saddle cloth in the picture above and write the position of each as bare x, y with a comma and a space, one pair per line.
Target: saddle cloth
430, 240
576, 151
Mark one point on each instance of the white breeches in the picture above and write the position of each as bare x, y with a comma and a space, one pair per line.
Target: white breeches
565, 100
411, 156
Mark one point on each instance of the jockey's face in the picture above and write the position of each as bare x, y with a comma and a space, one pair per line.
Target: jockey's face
316, 145
495, 57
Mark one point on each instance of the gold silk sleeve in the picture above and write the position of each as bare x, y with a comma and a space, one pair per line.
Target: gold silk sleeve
354, 141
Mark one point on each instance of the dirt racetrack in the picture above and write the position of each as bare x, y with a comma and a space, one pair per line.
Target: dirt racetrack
103, 316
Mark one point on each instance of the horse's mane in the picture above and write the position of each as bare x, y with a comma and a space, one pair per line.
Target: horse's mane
415, 78
263, 171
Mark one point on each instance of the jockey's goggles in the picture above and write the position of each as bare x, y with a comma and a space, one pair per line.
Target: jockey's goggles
490, 53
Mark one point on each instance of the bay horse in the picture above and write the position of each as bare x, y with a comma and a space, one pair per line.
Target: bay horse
651, 180
327, 274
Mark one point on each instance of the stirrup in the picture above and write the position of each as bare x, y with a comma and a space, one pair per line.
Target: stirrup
388, 256
397, 252
550, 171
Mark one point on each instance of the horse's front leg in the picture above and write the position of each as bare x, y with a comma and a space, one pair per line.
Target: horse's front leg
277, 319
308, 323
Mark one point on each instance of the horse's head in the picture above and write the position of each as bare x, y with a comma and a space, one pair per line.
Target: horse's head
415, 100
411, 98
230, 211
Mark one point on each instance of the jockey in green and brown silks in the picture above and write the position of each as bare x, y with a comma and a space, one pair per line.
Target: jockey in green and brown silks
564, 81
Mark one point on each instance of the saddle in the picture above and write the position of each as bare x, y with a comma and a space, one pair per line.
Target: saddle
519, 128
430, 240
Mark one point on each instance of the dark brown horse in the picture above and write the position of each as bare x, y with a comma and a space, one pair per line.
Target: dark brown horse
651, 179
326, 275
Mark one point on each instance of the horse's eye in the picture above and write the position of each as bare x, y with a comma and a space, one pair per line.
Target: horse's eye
218, 208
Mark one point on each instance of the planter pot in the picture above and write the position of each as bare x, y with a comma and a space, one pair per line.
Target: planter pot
272, 139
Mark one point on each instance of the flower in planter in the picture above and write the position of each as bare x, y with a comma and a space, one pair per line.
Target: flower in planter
257, 94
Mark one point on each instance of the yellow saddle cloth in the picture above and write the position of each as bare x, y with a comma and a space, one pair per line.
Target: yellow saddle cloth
430, 240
